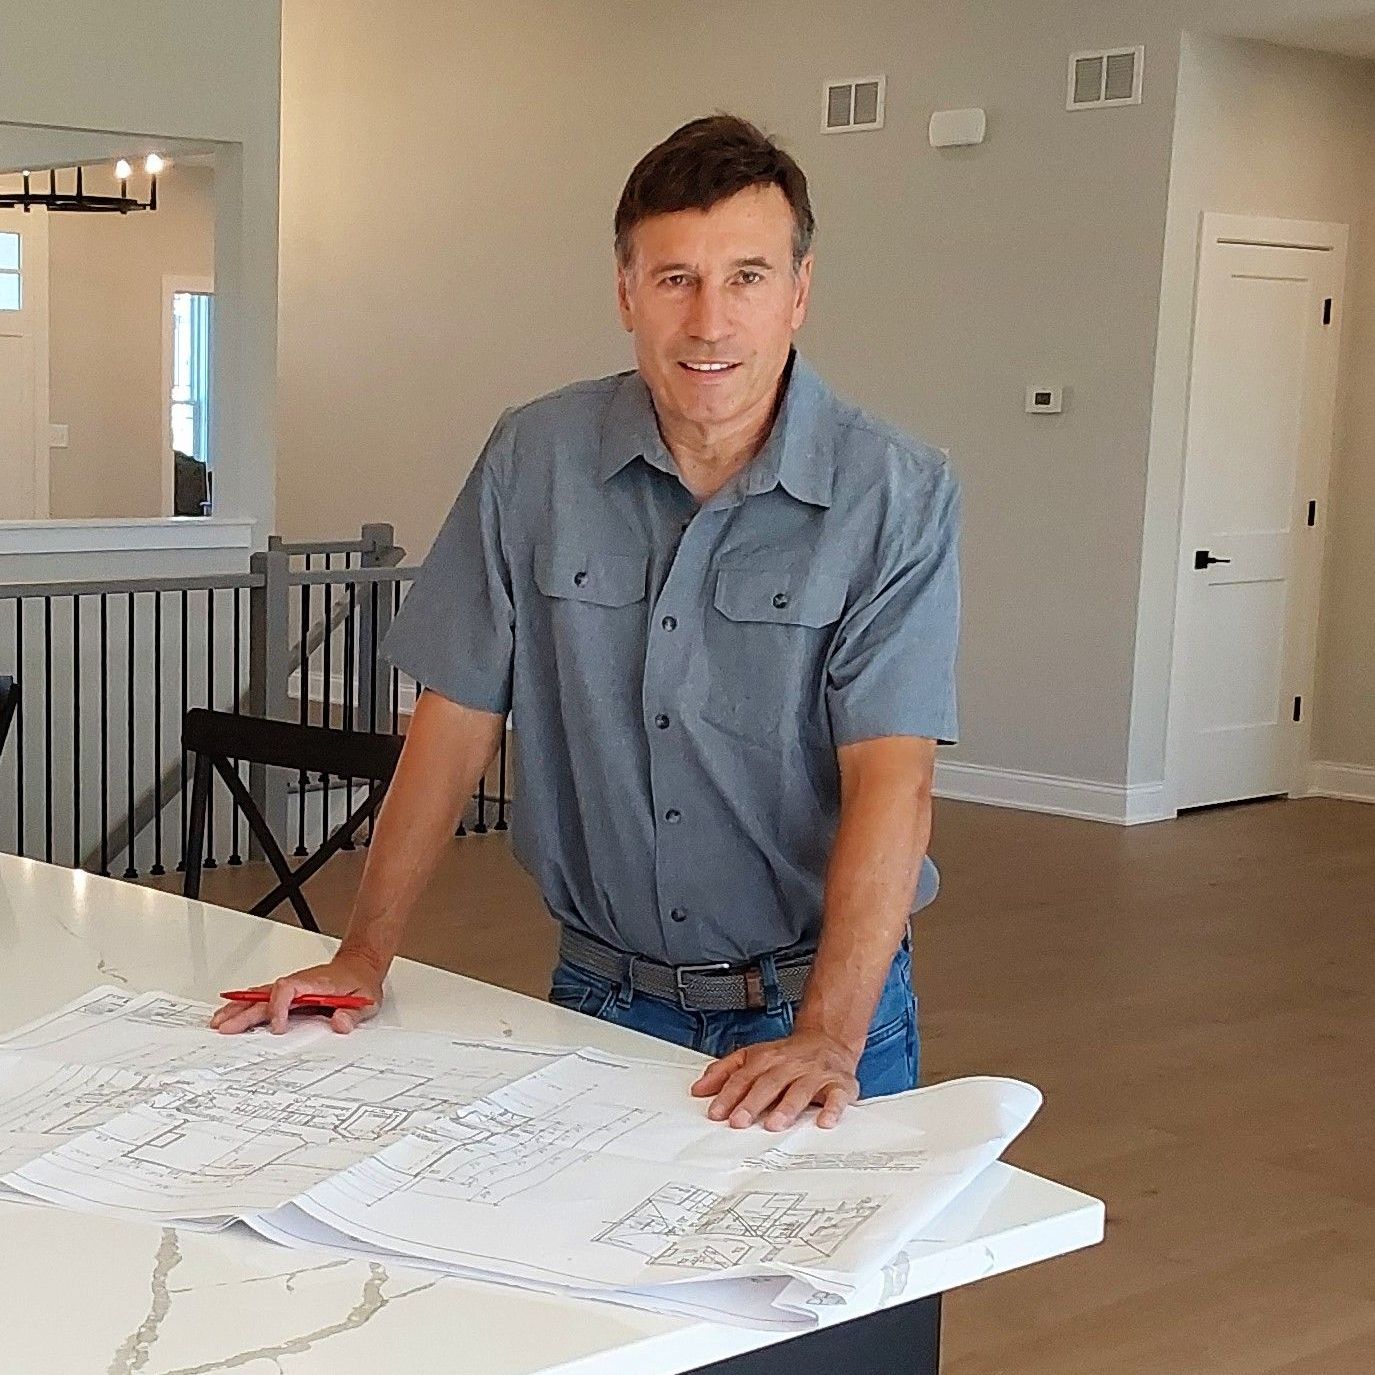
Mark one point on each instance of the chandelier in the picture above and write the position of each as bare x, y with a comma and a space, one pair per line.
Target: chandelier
82, 200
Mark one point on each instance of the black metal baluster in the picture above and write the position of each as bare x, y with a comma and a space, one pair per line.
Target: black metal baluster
480, 825
185, 676
395, 672
157, 870
48, 729
210, 861
501, 782
130, 871
18, 727
327, 700
234, 856
76, 730
372, 683
304, 694
105, 734
349, 655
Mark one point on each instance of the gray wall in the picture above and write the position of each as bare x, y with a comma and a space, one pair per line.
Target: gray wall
449, 174
1265, 130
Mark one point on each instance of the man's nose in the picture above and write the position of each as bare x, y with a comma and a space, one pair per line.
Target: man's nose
708, 319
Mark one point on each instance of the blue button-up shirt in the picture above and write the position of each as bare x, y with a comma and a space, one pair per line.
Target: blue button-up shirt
680, 675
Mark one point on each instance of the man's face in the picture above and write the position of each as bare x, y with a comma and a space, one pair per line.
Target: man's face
706, 288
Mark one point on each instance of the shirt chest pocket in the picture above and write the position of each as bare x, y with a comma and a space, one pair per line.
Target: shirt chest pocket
593, 577
768, 632
589, 628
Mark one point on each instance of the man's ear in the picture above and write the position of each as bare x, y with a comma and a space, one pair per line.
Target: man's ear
623, 297
803, 291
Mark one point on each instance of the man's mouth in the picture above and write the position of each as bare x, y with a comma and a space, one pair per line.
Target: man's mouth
707, 369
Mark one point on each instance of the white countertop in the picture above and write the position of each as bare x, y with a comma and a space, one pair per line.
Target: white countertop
85, 1294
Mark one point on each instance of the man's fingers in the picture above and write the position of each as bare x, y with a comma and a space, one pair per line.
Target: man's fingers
279, 1003
717, 1073
762, 1095
732, 1091
835, 1101
795, 1102
235, 1017
345, 1019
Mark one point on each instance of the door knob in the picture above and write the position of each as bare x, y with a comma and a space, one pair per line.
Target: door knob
1203, 558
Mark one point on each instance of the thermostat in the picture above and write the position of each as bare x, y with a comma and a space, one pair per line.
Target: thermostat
1045, 400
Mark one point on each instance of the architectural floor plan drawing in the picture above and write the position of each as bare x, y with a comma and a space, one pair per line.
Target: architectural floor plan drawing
43, 1103
489, 1154
210, 1151
155, 1034
175, 1122
570, 1171
696, 1230
913, 1158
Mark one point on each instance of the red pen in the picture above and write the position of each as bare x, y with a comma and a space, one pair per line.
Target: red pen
261, 995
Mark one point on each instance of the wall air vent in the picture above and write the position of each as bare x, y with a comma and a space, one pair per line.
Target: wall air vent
1109, 76
848, 106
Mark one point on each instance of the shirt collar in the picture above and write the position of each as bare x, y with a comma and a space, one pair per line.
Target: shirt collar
795, 455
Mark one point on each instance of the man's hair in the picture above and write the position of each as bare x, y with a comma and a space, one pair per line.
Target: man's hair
706, 161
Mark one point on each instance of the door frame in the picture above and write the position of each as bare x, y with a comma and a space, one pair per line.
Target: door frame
34, 270
1315, 477
172, 283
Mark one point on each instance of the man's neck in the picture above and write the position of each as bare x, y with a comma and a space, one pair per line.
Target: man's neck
707, 458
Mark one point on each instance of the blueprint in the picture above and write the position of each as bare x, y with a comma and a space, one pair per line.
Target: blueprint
600, 1172
131, 1106
573, 1172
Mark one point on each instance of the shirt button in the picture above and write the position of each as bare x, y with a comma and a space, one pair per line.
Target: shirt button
780, 600
579, 579
679, 914
669, 623
661, 721
673, 815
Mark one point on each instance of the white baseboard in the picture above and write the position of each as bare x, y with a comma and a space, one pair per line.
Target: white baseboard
1042, 792
1354, 782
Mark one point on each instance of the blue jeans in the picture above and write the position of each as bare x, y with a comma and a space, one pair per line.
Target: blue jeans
889, 1063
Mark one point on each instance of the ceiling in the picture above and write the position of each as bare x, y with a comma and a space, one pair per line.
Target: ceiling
37, 148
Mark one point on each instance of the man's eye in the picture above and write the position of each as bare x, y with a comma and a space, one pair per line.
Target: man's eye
750, 277
677, 279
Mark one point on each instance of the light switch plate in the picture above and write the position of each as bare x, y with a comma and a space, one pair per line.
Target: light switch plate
1045, 400
57, 436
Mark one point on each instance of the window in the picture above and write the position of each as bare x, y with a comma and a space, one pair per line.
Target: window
191, 374
10, 294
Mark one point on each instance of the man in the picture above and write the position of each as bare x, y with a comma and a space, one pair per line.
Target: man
721, 606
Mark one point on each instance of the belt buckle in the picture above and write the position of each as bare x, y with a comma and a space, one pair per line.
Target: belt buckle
716, 967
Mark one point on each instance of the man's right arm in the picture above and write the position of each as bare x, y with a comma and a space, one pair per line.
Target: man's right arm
448, 748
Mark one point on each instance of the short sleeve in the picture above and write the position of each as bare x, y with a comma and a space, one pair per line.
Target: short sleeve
455, 630
891, 670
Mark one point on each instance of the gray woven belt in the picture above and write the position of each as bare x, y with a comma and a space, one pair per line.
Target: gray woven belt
695, 987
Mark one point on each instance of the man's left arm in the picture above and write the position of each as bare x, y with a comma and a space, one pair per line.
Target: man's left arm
890, 691
885, 826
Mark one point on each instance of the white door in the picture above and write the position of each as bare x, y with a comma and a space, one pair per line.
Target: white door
23, 364
1261, 398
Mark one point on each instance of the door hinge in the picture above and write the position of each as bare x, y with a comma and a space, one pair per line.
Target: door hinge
1327, 311
1298, 708
1312, 513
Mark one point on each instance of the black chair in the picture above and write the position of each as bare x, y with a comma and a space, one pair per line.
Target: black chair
218, 737
9, 704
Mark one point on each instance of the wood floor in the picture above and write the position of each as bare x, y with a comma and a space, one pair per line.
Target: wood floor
1197, 1001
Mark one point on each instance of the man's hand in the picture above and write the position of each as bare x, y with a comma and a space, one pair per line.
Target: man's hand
349, 974
774, 1082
